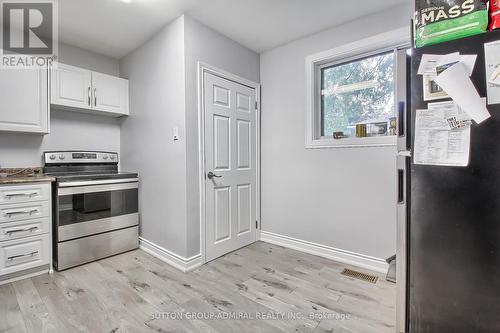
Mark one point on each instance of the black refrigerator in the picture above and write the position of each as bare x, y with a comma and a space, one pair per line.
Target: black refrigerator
452, 215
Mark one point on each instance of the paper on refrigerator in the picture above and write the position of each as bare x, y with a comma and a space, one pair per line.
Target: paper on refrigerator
469, 61
492, 58
430, 62
456, 82
436, 143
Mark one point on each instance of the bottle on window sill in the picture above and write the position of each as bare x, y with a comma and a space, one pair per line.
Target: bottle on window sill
339, 135
361, 131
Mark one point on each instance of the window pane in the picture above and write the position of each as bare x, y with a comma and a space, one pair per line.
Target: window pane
359, 93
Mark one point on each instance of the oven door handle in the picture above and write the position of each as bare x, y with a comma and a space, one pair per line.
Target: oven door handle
97, 182
91, 187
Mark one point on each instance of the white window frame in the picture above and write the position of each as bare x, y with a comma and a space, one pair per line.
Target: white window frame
377, 44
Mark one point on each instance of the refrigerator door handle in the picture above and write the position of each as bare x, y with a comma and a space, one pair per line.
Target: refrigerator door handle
401, 119
401, 186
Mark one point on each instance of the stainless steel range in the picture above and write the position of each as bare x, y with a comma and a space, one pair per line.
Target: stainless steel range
95, 206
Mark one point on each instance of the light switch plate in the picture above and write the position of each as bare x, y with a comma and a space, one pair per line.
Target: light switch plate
176, 133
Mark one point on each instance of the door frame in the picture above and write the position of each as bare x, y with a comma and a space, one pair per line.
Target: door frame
209, 69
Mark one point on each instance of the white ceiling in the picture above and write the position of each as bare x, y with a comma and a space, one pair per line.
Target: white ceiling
114, 28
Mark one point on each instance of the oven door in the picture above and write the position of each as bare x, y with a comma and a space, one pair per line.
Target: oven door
89, 209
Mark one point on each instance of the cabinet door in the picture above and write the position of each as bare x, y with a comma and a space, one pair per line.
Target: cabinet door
71, 87
24, 105
110, 94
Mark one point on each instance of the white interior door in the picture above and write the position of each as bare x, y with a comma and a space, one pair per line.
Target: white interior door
230, 165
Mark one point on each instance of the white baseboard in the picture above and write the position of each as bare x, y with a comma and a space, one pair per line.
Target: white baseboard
347, 257
27, 276
175, 260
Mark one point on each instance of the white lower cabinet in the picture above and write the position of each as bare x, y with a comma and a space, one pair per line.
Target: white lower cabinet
21, 229
24, 193
24, 254
25, 230
24, 211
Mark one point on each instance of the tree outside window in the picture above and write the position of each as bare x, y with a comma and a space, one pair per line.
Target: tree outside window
357, 92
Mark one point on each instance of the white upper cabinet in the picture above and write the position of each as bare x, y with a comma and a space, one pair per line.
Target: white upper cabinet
110, 93
24, 100
79, 89
71, 87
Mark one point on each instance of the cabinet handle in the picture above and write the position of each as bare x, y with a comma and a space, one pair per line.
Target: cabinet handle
32, 254
10, 232
95, 96
89, 96
30, 212
12, 195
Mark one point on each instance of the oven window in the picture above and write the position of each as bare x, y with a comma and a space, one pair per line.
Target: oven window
83, 207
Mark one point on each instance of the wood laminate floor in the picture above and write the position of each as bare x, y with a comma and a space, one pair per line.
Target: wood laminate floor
259, 288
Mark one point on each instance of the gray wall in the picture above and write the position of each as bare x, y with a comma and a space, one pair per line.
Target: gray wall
76, 56
340, 197
205, 45
156, 74
163, 95
69, 130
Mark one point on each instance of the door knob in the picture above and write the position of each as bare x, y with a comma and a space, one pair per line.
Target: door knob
212, 175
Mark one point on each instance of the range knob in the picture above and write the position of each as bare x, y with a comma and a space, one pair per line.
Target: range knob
104, 157
112, 157
52, 157
62, 157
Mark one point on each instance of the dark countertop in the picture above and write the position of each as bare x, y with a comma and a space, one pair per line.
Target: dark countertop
24, 176
26, 179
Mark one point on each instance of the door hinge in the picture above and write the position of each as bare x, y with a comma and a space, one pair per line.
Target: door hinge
256, 224
256, 105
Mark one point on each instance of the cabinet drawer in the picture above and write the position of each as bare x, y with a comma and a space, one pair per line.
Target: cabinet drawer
24, 211
21, 229
24, 193
24, 253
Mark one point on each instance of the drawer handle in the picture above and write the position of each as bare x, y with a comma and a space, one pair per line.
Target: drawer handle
29, 212
13, 195
10, 232
32, 254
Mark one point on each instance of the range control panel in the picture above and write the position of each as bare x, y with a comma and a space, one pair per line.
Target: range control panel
71, 157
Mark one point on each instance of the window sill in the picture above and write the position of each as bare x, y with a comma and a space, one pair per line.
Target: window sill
380, 141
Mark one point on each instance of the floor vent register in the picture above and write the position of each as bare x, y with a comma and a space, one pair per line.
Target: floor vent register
360, 276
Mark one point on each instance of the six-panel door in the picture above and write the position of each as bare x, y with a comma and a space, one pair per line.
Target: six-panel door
230, 152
